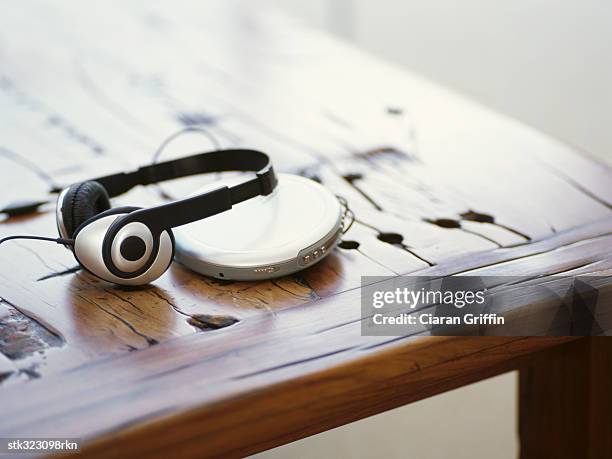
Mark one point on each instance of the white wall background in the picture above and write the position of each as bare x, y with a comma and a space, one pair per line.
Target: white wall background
547, 63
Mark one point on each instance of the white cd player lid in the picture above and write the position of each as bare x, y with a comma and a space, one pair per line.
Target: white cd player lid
264, 230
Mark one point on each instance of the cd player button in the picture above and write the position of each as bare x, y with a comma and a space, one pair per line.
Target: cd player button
315, 254
306, 258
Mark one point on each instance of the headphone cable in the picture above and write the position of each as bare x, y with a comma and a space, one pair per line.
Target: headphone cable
58, 240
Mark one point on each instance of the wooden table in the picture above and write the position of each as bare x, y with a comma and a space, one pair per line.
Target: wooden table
194, 367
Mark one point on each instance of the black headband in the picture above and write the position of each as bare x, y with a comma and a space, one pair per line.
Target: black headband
188, 210
201, 163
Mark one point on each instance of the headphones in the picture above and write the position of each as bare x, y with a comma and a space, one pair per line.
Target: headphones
135, 246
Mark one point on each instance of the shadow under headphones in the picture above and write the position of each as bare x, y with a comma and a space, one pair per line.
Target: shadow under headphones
132, 245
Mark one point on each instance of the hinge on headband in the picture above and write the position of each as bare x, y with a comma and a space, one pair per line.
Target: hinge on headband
267, 180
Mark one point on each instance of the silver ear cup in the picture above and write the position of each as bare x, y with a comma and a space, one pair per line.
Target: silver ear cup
88, 251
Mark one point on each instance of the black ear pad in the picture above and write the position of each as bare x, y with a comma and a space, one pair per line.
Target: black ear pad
83, 201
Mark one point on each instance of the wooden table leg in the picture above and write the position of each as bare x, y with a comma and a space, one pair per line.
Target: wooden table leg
565, 402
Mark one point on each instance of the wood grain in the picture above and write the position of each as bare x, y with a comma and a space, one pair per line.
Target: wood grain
192, 366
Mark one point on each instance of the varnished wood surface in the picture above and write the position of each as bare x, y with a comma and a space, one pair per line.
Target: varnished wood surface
439, 186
